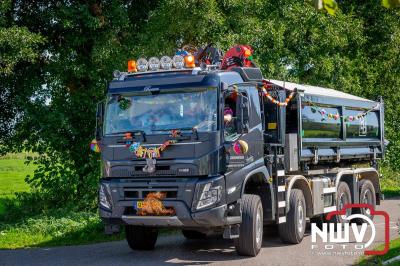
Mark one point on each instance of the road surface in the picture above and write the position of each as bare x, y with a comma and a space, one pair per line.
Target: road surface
174, 249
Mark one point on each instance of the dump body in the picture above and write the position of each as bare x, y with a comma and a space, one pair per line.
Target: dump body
325, 125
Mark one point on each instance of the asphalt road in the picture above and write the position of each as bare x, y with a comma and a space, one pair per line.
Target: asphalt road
174, 249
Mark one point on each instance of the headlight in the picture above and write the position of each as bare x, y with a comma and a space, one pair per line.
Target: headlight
154, 63
178, 61
105, 196
209, 196
166, 62
142, 64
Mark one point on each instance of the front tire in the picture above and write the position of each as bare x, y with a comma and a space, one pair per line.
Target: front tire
292, 232
251, 229
140, 237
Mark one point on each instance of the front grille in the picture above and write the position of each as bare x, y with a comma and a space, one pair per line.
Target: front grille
161, 170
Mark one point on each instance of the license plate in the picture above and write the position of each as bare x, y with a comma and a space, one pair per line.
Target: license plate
139, 204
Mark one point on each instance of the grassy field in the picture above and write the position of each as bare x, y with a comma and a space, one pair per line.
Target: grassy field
12, 177
50, 227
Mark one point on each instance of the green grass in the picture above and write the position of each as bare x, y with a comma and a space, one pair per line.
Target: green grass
56, 228
13, 171
394, 250
390, 182
21, 229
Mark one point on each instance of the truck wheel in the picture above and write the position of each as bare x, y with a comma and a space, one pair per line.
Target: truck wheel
367, 196
192, 234
140, 237
343, 197
292, 232
251, 229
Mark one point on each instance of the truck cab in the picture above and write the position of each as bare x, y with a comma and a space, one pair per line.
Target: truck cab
204, 150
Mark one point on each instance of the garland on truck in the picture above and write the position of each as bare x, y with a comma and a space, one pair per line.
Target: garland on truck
347, 118
150, 153
265, 93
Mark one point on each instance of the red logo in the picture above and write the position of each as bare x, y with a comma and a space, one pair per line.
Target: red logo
367, 219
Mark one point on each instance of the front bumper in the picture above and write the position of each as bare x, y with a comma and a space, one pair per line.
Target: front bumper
182, 193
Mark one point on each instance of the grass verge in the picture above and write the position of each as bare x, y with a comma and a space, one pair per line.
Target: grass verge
390, 182
378, 260
23, 224
55, 228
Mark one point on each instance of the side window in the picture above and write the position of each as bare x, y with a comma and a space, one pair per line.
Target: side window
230, 116
255, 109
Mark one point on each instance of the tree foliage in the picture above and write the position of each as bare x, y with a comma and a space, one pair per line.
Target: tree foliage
56, 57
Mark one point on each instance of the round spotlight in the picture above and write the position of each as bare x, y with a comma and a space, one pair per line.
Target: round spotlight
166, 62
142, 64
178, 61
116, 74
154, 63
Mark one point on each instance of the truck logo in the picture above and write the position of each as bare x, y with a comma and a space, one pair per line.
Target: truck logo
338, 235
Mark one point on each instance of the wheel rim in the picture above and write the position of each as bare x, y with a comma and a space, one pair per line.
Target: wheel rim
300, 217
259, 227
367, 199
343, 200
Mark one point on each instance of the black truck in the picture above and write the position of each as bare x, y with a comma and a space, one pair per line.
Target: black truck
213, 150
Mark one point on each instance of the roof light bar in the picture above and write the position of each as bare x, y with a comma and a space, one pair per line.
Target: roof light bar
178, 61
166, 62
154, 63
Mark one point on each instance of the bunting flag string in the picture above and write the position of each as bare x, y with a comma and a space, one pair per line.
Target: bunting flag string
347, 118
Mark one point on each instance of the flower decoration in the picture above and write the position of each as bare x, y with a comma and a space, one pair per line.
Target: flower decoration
240, 147
94, 146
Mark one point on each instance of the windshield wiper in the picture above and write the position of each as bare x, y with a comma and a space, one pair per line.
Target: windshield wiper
193, 129
134, 132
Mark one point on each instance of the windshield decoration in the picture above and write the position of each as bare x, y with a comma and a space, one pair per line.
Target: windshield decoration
151, 153
124, 103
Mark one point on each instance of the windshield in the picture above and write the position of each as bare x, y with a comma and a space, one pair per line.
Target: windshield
163, 112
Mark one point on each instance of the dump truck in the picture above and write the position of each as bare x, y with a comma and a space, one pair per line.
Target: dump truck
204, 143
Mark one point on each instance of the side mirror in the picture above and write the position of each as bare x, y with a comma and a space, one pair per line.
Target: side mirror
242, 107
99, 120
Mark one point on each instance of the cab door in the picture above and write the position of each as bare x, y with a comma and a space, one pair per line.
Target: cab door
243, 139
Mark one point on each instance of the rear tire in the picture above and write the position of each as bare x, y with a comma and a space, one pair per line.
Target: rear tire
343, 197
140, 237
192, 234
251, 229
367, 196
292, 232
